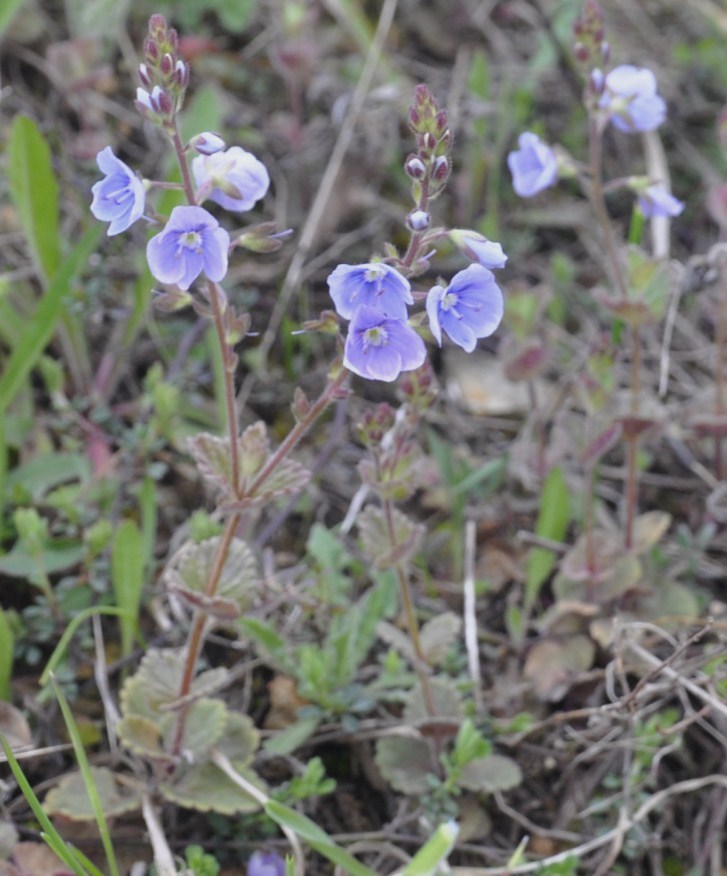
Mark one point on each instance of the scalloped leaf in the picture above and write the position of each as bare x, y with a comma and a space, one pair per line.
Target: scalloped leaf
70, 798
190, 568
406, 762
141, 735
376, 542
447, 703
154, 689
203, 727
551, 665
212, 455
206, 788
492, 773
439, 634
240, 738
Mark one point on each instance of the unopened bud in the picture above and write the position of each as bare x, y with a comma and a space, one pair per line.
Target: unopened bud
418, 220
161, 99
415, 167
300, 405
151, 50
207, 143
181, 74
144, 76
441, 121
440, 168
427, 142
166, 65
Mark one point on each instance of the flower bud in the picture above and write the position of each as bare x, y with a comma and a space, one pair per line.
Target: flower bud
415, 167
166, 65
144, 76
181, 74
418, 220
207, 143
151, 50
440, 168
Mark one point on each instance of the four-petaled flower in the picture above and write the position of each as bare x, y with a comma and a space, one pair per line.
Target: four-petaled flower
380, 347
234, 179
471, 307
191, 243
631, 100
533, 165
374, 285
119, 198
655, 200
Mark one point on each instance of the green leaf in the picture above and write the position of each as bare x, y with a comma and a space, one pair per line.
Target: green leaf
34, 191
71, 857
315, 837
8, 9
127, 578
71, 797
553, 519
57, 556
6, 656
42, 322
33, 480
203, 727
492, 773
293, 736
206, 788
406, 763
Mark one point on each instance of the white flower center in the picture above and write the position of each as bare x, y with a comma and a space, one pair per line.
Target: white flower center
191, 240
376, 336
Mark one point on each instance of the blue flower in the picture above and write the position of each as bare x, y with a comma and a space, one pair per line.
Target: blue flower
655, 200
479, 249
375, 285
265, 864
233, 178
471, 307
191, 243
631, 100
119, 198
533, 165
380, 347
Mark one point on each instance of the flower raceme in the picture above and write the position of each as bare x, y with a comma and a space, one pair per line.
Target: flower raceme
191, 243
630, 99
471, 307
533, 165
119, 197
234, 178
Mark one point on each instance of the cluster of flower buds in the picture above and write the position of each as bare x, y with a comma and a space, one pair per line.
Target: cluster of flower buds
429, 166
591, 50
164, 76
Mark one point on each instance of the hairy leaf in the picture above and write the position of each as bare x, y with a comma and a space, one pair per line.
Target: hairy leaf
70, 798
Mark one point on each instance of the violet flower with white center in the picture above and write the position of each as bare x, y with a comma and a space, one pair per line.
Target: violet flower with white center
380, 347
265, 864
119, 198
471, 307
191, 243
533, 165
234, 178
478, 248
655, 200
373, 284
631, 100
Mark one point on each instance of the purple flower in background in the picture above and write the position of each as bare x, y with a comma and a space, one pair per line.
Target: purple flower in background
119, 198
265, 864
375, 285
655, 200
380, 347
234, 179
631, 99
191, 243
478, 248
533, 165
471, 307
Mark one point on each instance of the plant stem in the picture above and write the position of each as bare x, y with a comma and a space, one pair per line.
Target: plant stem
196, 633
719, 401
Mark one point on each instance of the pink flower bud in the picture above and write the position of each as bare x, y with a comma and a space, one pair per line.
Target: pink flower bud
166, 65
440, 168
144, 76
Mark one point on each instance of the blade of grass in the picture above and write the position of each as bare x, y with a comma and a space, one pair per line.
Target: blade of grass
6, 656
42, 324
127, 578
70, 856
85, 769
70, 632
